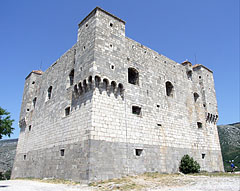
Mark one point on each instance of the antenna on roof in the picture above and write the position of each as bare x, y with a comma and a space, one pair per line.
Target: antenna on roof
41, 65
195, 56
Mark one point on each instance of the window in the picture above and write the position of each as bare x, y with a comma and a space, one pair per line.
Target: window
62, 152
203, 155
189, 74
159, 125
196, 96
158, 106
169, 89
34, 102
24, 157
105, 84
111, 25
50, 92
133, 76
199, 124
67, 111
71, 77
33, 82
138, 152
136, 110
29, 127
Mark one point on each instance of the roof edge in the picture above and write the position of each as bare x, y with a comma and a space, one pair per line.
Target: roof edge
38, 72
99, 9
200, 65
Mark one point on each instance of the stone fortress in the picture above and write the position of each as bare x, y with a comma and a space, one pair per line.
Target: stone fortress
111, 107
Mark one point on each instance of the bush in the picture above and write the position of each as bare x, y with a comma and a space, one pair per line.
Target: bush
7, 174
188, 165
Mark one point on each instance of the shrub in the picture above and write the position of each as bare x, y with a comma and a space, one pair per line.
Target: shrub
188, 165
7, 174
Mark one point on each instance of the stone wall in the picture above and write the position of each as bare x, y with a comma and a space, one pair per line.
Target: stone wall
107, 125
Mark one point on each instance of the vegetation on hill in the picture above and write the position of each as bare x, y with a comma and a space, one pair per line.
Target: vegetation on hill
229, 136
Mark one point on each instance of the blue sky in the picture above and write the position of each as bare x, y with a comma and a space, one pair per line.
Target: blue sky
202, 31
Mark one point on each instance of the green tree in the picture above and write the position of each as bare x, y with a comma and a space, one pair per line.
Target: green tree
5, 123
189, 165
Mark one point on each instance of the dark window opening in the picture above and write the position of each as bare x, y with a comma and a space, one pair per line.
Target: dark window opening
199, 124
199, 77
159, 125
27, 109
138, 152
62, 152
203, 155
67, 111
34, 102
80, 87
112, 67
86, 25
204, 105
24, 157
196, 96
33, 82
111, 45
85, 85
169, 89
111, 25
189, 75
133, 76
158, 106
84, 47
50, 92
136, 110
71, 77
29, 127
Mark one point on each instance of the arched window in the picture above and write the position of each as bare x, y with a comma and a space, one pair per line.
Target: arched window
80, 87
71, 77
49, 92
121, 89
196, 96
169, 89
133, 76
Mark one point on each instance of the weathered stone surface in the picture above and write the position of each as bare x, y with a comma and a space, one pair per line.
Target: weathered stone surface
113, 73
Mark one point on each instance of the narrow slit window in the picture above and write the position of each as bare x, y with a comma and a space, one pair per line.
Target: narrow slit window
189, 74
50, 92
203, 155
196, 96
62, 152
67, 111
24, 157
34, 102
136, 110
71, 77
29, 127
138, 152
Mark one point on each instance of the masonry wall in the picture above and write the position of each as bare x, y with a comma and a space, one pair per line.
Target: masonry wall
102, 135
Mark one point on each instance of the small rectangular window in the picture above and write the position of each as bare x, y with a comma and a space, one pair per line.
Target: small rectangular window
24, 157
62, 152
67, 111
203, 155
138, 152
136, 110
159, 125
29, 127
199, 124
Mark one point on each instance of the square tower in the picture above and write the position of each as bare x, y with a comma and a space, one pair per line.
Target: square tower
111, 107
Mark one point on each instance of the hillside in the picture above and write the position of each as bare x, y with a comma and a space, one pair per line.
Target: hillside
229, 136
7, 153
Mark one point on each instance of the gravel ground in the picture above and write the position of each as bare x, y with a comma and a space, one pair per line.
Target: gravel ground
168, 183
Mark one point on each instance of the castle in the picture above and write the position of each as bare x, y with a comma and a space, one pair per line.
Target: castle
110, 106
